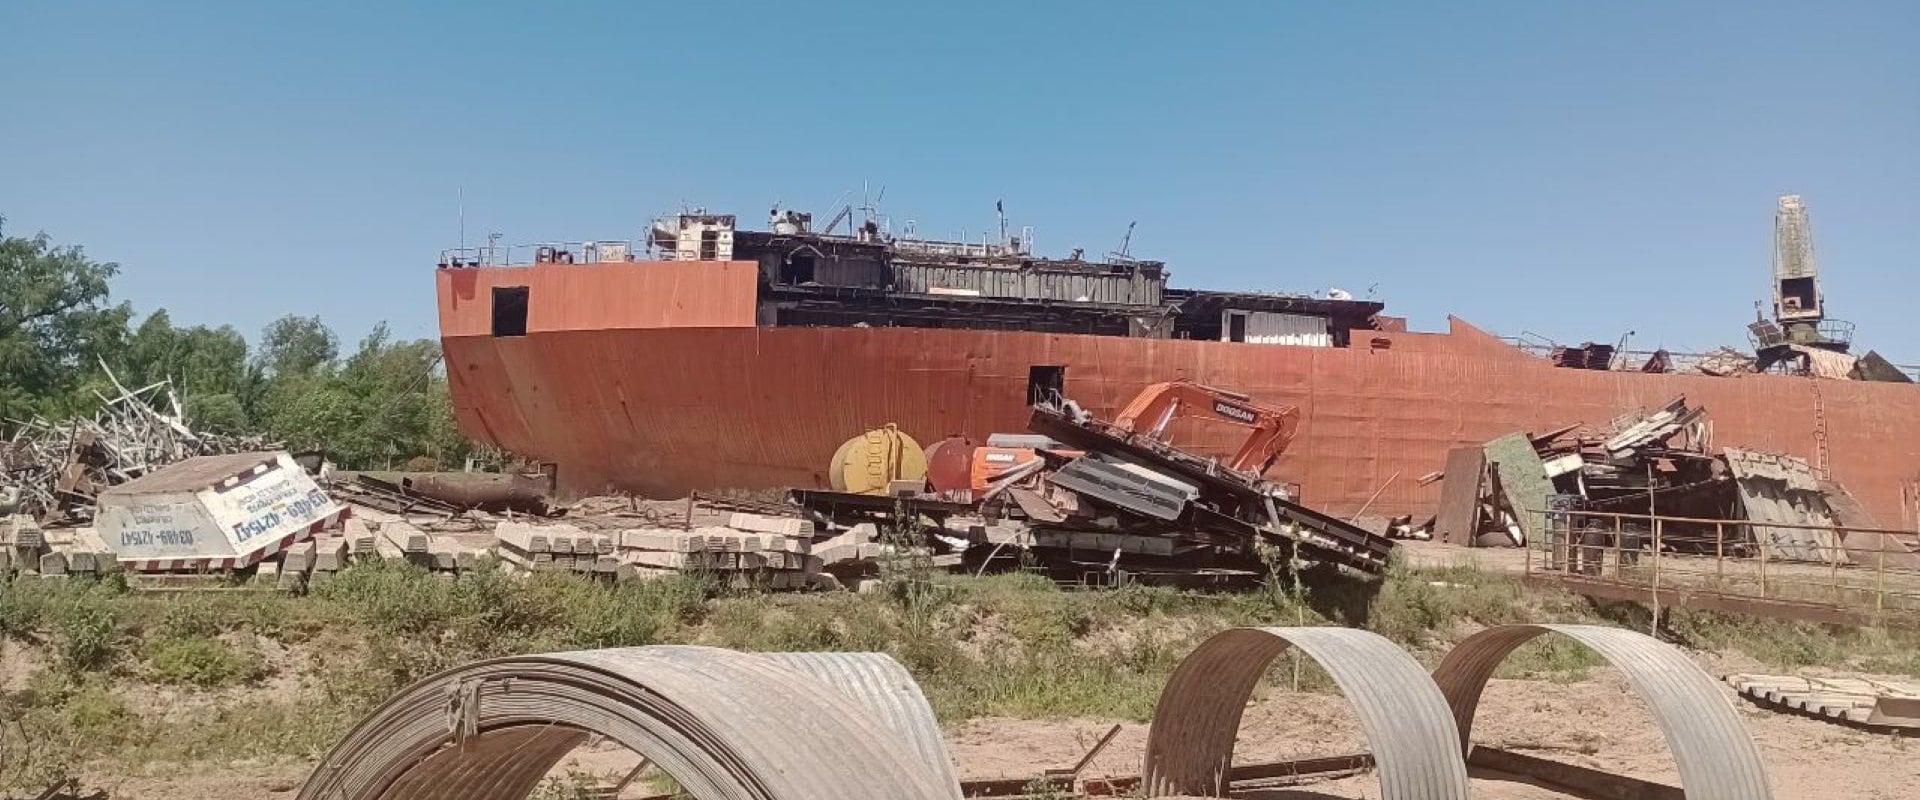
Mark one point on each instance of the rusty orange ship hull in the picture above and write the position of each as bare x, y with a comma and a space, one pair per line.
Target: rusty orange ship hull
654, 378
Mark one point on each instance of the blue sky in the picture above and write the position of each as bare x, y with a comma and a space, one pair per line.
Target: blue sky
1574, 171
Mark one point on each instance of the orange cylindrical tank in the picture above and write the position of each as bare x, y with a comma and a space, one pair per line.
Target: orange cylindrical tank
950, 464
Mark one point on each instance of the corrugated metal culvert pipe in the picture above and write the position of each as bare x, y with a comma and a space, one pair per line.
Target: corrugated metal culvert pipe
725, 725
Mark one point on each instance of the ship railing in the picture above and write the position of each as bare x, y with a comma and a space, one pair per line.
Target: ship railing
1803, 571
588, 251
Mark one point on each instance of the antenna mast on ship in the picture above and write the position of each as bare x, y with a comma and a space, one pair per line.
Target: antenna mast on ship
1125, 253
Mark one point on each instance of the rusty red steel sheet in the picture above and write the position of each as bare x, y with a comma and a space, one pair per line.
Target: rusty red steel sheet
1460, 495
711, 402
565, 297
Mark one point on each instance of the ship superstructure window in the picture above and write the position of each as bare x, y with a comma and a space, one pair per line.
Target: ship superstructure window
509, 310
798, 269
1269, 327
1046, 384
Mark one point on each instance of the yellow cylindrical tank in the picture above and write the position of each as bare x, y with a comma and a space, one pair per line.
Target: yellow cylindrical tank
867, 463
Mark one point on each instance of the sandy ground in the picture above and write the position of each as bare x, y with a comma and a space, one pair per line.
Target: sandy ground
1596, 722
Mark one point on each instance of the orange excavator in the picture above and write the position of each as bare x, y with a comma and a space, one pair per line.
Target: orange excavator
1148, 415
1273, 426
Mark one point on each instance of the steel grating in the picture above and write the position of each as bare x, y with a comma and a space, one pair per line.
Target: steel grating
1408, 724
726, 725
1715, 755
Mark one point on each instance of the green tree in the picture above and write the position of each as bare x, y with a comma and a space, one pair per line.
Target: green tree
55, 321
382, 406
209, 367
293, 346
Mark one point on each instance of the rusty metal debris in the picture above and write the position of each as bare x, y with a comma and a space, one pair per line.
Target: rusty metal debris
1109, 502
53, 469
1617, 478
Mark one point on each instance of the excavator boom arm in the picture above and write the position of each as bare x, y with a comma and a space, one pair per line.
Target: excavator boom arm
1273, 427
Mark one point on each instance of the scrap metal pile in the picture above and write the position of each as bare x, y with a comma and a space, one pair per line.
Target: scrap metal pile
1656, 463
52, 469
1093, 496
1495, 493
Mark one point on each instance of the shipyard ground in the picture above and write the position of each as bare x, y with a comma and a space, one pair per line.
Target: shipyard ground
238, 694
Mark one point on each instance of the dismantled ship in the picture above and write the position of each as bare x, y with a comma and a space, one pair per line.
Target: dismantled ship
710, 356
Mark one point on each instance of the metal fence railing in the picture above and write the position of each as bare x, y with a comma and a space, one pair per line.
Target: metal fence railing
596, 251
1838, 573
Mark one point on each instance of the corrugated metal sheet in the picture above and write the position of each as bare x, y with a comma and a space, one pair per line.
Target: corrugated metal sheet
1267, 327
1715, 754
1776, 488
882, 686
1030, 284
1409, 728
1827, 364
724, 724
664, 411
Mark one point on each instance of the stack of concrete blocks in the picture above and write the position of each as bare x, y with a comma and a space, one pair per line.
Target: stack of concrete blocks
856, 544
751, 550
29, 549
86, 556
362, 539
295, 565
330, 553
401, 540
24, 544
555, 548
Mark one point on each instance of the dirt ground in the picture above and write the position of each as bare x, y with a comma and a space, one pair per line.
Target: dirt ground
1596, 722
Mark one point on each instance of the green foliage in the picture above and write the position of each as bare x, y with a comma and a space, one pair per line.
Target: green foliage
87, 627
1417, 607
384, 405
202, 661
427, 624
23, 606
55, 319
294, 346
1552, 657
572, 785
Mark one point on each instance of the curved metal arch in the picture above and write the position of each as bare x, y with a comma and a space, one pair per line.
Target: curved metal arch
1714, 752
726, 725
1408, 725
